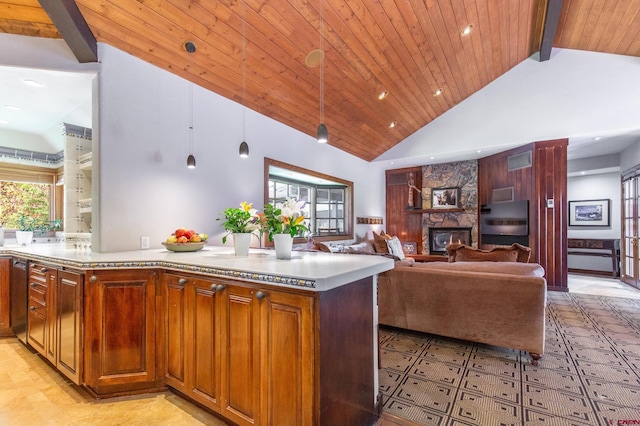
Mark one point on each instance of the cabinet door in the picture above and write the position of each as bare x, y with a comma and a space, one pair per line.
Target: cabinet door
5, 312
51, 335
192, 338
204, 343
287, 348
69, 324
119, 348
240, 374
176, 331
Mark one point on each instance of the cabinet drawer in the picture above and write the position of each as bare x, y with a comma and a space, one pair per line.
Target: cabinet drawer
38, 272
38, 291
36, 306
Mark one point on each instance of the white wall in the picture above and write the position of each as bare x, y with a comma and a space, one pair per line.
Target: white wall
596, 187
144, 184
630, 157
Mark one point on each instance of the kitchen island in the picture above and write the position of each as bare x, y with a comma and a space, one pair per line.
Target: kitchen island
255, 340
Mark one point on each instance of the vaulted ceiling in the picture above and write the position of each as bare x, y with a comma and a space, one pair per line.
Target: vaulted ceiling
408, 48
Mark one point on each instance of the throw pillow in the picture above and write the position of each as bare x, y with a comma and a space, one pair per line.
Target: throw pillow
395, 247
380, 242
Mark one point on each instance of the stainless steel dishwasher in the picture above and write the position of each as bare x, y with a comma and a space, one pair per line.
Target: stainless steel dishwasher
19, 296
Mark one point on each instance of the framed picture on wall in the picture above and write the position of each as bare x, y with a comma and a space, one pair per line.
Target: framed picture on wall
445, 198
589, 213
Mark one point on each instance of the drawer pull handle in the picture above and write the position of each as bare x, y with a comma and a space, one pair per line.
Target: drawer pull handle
220, 287
182, 281
32, 308
261, 295
43, 270
33, 285
212, 287
93, 278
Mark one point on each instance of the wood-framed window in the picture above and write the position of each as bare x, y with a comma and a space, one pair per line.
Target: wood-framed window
329, 199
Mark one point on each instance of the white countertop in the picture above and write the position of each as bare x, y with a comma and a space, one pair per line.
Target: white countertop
316, 271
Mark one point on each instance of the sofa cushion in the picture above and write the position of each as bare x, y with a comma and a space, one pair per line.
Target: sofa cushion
512, 253
509, 268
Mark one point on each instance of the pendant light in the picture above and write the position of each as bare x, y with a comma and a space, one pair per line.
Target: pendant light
191, 160
322, 134
244, 147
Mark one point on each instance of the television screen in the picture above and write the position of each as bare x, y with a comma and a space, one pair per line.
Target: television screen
507, 218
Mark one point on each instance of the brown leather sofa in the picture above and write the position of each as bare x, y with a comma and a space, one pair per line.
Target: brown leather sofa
497, 303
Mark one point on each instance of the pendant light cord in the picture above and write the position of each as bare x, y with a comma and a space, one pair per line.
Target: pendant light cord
191, 118
244, 70
322, 61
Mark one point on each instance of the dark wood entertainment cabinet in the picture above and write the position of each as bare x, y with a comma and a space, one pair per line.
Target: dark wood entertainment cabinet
596, 247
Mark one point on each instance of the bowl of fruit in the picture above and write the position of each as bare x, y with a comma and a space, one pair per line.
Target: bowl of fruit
185, 240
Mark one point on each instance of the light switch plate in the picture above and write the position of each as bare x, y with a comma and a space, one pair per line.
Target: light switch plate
144, 242
550, 203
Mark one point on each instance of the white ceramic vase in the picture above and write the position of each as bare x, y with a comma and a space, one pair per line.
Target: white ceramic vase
283, 244
24, 238
241, 244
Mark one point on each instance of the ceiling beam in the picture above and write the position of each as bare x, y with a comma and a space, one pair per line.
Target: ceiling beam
552, 16
67, 18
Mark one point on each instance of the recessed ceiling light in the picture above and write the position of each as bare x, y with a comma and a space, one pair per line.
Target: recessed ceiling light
189, 46
582, 173
438, 92
383, 94
597, 138
467, 30
432, 158
479, 151
12, 107
393, 124
32, 83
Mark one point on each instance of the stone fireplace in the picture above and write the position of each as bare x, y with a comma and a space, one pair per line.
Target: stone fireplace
462, 175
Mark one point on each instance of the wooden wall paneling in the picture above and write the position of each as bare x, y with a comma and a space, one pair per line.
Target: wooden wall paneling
550, 161
493, 173
406, 224
546, 179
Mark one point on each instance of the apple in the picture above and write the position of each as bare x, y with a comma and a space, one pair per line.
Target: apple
195, 238
180, 232
190, 233
204, 237
172, 239
183, 239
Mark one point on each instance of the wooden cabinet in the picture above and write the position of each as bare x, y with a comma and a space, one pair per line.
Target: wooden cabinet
287, 352
243, 351
68, 324
5, 304
54, 324
192, 338
120, 331
37, 314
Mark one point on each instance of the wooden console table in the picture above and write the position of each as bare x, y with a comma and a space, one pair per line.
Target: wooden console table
596, 247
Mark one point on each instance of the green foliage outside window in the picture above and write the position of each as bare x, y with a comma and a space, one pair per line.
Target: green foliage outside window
26, 203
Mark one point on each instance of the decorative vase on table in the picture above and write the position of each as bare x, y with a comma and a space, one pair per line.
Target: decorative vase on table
283, 244
241, 242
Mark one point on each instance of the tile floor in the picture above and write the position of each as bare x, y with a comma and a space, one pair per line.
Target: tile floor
31, 392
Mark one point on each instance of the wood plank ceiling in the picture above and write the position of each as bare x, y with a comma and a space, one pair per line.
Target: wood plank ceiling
410, 48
